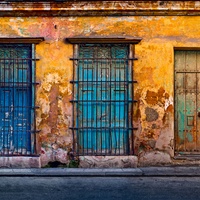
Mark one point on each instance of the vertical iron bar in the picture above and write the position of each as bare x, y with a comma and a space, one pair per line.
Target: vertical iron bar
100, 62
33, 100
82, 107
13, 98
96, 103
79, 132
87, 97
119, 97
196, 109
22, 108
109, 67
8, 111
115, 106
1, 86
17, 109
10, 108
16, 130
92, 106
1, 68
75, 68
130, 70
125, 103
28, 109
30, 79
16, 96
4, 131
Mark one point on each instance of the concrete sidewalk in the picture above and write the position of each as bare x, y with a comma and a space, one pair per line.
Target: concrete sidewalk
80, 172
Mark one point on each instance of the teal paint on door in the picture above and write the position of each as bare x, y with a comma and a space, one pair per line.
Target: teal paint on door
15, 99
187, 102
104, 94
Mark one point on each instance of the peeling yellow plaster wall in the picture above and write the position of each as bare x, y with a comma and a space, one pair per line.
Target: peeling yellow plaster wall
154, 72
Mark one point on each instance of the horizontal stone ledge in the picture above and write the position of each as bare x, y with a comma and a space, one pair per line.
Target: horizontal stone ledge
43, 13
99, 8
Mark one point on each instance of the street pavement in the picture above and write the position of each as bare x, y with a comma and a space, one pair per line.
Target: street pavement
190, 171
145, 183
99, 188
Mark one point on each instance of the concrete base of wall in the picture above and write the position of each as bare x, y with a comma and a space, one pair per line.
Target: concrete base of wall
108, 161
154, 158
20, 162
148, 159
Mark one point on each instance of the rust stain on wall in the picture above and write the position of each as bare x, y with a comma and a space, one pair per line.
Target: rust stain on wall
155, 108
153, 98
53, 111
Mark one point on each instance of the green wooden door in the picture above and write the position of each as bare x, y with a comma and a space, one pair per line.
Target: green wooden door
187, 101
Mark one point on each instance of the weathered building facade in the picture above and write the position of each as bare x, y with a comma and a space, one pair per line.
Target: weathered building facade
99, 83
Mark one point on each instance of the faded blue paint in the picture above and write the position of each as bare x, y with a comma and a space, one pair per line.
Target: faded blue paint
15, 98
189, 137
101, 115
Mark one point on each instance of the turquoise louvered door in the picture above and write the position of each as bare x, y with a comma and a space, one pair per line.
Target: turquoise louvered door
15, 99
103, 99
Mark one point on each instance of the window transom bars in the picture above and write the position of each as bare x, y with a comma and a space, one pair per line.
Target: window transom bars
17, 99
103, 97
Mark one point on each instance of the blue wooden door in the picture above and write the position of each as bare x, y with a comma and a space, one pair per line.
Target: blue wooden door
15, 100
103, 95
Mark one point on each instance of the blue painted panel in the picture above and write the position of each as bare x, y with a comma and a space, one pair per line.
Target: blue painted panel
6, 117
22, 119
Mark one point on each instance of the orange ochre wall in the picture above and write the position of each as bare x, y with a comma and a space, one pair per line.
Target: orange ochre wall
154, 72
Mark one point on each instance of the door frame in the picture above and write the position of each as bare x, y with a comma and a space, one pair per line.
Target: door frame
176, 152
107, 40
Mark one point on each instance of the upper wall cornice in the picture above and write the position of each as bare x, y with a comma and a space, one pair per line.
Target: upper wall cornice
98, 8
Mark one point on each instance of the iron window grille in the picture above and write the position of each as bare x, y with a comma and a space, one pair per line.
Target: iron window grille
103, 99
17, 99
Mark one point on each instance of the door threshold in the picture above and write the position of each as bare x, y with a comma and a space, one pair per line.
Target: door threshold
187, 156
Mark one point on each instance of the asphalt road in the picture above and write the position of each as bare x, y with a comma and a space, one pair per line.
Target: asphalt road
111, 188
